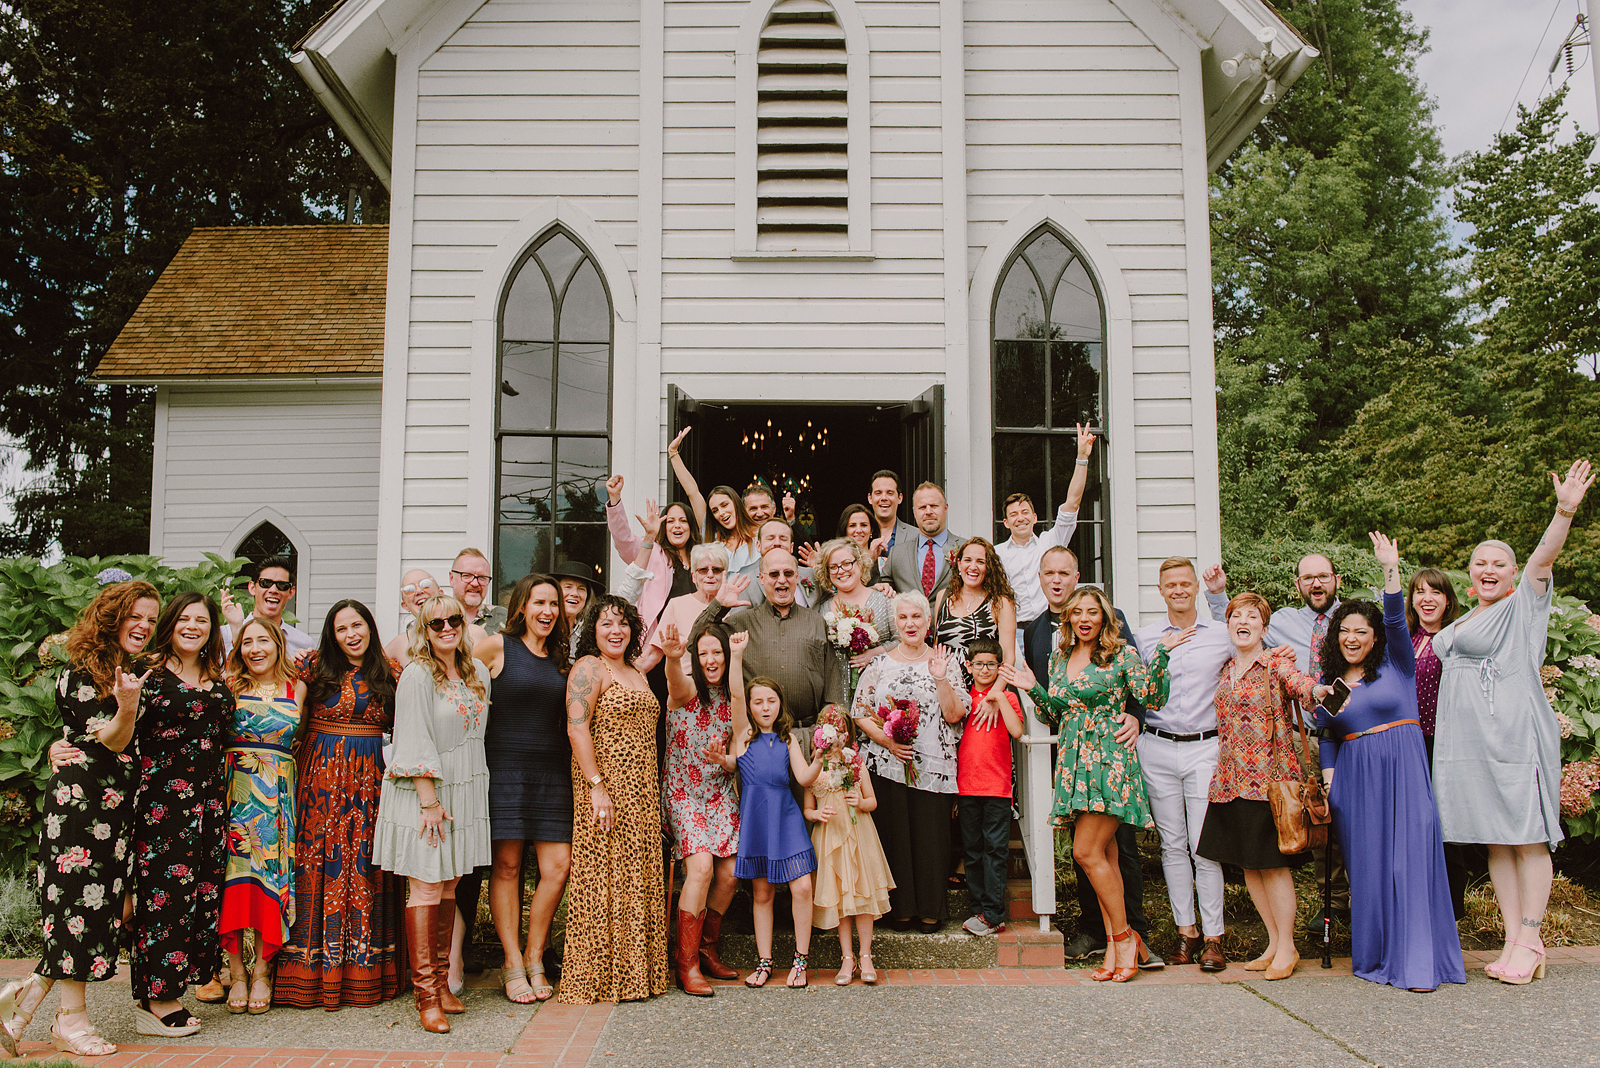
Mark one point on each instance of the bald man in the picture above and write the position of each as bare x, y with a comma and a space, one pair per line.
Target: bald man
416, 586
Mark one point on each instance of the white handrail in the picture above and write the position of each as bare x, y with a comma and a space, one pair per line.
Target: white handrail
1035, 797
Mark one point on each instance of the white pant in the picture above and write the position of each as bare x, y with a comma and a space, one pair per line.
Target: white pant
1177, 776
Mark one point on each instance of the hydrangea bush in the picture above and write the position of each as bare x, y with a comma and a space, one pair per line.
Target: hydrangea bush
1571, 675
37, 603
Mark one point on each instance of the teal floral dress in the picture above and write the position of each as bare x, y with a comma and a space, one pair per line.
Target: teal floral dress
259, 889
1093, 772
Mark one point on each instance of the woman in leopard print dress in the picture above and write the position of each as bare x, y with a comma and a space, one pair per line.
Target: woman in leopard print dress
616, 947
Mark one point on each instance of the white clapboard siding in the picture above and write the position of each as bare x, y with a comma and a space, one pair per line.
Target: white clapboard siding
1069, 98
308, 454
526, 101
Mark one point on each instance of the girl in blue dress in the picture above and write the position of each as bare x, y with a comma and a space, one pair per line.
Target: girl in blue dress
774, 844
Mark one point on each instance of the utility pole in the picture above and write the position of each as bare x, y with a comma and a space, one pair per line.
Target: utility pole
1594, 61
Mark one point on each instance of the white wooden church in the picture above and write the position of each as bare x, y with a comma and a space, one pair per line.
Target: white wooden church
833, 236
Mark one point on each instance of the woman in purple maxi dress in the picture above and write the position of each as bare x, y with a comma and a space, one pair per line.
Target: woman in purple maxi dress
1403, 929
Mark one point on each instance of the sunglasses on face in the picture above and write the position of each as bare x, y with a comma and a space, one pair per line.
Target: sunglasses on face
413, 587
439, 623
283, 585
709, 570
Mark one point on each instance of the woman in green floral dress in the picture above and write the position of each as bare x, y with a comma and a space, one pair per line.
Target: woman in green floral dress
1099, 783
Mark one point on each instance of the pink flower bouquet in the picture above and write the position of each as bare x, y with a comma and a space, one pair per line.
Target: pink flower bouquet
900, 717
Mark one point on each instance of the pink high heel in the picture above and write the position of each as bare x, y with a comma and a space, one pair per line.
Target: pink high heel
1524, 978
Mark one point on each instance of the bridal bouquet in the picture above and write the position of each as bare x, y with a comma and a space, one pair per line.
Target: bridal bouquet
841, 763
851, 631
900, 718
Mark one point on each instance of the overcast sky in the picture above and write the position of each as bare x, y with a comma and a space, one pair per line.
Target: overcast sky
1479, 52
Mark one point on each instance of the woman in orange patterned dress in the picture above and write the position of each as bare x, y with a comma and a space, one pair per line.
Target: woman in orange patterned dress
345, 946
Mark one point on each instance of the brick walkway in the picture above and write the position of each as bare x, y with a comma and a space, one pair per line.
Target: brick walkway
564, 1036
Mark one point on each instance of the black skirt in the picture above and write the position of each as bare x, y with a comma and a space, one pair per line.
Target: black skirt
1241, 832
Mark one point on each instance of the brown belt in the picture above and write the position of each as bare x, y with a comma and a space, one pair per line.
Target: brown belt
356, 730
1382, 727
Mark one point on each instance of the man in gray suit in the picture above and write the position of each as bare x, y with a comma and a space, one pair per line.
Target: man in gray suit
919, 563
884, 500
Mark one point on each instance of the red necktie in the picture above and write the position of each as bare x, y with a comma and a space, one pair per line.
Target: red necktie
1319, 631
927, 572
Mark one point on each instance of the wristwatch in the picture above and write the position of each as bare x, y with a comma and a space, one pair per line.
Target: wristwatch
595, 779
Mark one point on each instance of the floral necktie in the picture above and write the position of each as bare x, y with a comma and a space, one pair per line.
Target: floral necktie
1319, 631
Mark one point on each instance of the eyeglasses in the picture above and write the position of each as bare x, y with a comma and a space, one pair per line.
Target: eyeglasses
471, 578
439, 623
841, 569
413, 587
284, 585
710, 570
1324, 577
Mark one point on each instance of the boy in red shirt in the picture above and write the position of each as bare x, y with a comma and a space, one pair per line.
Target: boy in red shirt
983, 781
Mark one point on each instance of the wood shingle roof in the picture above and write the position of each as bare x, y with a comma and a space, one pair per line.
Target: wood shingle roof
260, 300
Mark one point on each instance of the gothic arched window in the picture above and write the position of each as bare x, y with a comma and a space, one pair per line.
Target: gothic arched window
553, 425
1048, 368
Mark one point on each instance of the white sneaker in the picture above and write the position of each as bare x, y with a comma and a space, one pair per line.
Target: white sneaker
977, 925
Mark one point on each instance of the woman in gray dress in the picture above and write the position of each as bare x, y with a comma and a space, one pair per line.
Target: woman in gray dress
1497, 747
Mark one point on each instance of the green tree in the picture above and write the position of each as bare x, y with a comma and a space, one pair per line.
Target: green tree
1457, 448
122, 126
1328, 246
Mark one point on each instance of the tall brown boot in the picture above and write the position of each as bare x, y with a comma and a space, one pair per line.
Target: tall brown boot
689, 976
444, 934
710, 936
422, 921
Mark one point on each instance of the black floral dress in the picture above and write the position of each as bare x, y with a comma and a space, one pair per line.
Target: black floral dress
180, 838
83, 847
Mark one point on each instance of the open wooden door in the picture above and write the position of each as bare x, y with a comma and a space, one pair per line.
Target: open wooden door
684, 411
922, 444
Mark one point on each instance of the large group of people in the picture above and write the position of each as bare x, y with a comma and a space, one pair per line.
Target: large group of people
273, 819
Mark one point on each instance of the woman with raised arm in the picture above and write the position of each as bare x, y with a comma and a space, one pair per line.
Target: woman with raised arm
1402, 929
1497, 746
88, 810
345, 945
616, 946
1099, 782
913, 771
433, 815
530, 780
732, 526
701, 800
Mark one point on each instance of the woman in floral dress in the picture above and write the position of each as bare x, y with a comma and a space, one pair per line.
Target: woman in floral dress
702, 801
259, 893
180, 816
1099, 783
88, 806
915, 782
344, 946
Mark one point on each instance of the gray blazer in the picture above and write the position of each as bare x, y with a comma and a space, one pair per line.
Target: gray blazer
902, 531
905, 569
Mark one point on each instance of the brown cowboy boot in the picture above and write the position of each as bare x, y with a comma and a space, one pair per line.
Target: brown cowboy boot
688, 955
710, 936
443, 934
421, 923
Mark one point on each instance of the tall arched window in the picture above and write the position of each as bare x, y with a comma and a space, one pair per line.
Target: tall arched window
553, 426
266, 540
1048, 376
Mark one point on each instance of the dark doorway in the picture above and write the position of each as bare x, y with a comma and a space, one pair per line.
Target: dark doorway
825, 454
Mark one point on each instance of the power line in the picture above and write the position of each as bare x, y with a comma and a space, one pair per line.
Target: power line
1537, 48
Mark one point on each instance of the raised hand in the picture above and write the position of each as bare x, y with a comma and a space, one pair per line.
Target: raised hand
1085, 442
1570, 490
1216, 579
614, 489
732, 586
875, 548
651, 520
127, 688
807, 553
738, 641
788, 506
1178, 637
671, 642
1018, 676
672, 446
230, 609
939, 665
1385, 549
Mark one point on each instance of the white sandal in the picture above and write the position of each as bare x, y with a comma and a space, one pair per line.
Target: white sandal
14, 1019
84, 1042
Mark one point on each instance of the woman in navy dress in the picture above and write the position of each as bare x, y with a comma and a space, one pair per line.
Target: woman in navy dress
530, 780
1403, 929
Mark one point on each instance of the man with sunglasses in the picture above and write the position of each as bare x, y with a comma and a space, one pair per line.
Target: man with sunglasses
470, 578
416, 586
270, 589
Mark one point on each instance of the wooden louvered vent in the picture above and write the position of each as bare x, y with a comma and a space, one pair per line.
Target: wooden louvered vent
802, 115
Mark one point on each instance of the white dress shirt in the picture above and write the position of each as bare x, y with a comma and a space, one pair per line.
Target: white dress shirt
1293, 627
1022, 564
1195, 668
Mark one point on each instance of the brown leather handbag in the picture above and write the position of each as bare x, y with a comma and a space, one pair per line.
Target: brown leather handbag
1299, 805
